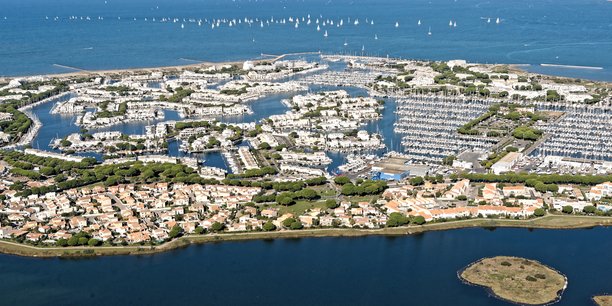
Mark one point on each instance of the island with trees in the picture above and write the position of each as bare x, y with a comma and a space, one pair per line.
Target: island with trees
517, 280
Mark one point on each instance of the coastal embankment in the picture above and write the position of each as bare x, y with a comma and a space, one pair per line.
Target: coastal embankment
559, 222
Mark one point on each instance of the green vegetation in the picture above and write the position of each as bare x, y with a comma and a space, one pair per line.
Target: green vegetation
527, 133
398, 219
416, 181
20, 123
544, 178
175, 231
105, 113
178, 95
69, 175
121, 90
342, 180
289, 198
367, 187
235, 92
468, 128
269, 226
254, 173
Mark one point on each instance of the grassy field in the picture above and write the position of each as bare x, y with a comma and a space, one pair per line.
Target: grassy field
516, 279
550, 222
300, 207
356, 199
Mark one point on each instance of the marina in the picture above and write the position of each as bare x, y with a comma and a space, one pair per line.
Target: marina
174, 146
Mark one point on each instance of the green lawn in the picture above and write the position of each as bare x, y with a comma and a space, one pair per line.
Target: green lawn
299, 207
325, 191
356, 199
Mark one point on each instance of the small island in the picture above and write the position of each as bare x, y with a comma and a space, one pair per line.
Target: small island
515, 279
603, 300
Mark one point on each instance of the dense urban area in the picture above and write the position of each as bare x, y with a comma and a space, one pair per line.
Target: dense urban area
461, 141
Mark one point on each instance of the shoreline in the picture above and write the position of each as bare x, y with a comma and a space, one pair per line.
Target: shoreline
269, 58
557, 222
85, 72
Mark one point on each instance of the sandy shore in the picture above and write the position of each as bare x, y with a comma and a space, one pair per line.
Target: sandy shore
200, 64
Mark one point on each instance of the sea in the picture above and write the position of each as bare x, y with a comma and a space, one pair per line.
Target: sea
43, 37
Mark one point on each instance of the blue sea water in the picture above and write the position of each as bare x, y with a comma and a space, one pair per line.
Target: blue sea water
568, 32
402, 270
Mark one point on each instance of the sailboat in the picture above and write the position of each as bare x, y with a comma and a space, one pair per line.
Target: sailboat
325, 35
375, 37
345, 43
182, 25
489, 20
497, 20
454, 24
429, 33
372, 22
450, 23
318, 28
419, 23
397, 24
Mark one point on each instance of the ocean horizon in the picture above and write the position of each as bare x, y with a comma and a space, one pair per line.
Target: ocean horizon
43, 37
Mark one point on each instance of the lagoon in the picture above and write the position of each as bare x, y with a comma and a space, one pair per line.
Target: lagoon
372, 270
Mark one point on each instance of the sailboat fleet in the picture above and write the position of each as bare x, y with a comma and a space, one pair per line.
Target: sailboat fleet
320, 22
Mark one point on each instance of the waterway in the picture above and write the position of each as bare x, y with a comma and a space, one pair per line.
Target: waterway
375, 270
59, 126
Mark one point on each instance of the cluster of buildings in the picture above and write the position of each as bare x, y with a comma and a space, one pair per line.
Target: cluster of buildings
279, 69
130, 213
438, 201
